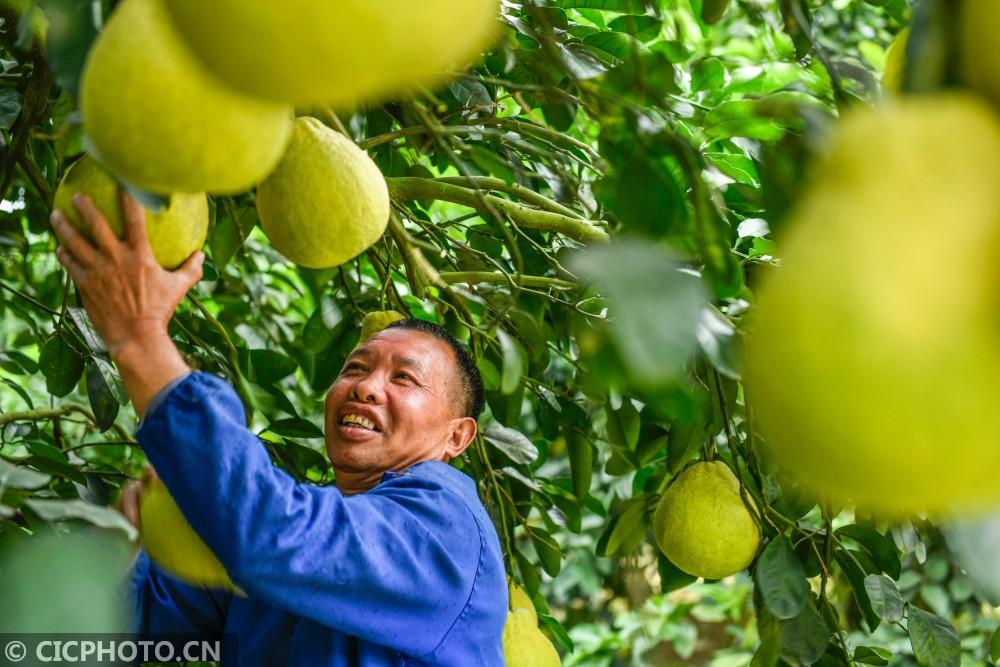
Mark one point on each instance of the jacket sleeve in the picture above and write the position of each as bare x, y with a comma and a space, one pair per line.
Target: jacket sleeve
394, 566
164, 605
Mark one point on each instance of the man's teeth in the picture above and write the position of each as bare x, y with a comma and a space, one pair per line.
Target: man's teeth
360, 421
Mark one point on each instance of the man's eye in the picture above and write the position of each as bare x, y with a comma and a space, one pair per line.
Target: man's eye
351, 366
404, 375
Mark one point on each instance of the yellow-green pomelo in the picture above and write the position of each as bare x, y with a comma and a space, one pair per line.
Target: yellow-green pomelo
335, 53
376, 321
524, 645
519, 600
326, 202
702, 524
895, 62
171, 542
161, 121
875, 352
979, 22
174, 232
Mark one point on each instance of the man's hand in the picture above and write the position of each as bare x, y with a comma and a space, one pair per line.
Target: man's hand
132, 496
130, 298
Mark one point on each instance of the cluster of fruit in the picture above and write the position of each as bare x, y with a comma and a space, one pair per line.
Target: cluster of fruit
184, 97
875, 348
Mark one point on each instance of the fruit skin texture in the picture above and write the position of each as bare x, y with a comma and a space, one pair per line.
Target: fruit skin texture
873, 358
702, 524
376, 321
326, 202
174, 232
979, 24
524, 645
314, 53
171, 542
162, 122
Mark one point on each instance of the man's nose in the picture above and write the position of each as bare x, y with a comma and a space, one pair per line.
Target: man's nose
366, 390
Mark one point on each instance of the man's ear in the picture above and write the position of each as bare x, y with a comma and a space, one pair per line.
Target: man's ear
463, 431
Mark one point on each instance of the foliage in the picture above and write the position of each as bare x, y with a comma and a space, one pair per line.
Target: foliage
608, 367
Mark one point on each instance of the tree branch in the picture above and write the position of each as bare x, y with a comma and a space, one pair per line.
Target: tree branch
409, 189
480, 277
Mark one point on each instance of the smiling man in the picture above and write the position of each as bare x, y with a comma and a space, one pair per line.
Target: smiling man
398, 564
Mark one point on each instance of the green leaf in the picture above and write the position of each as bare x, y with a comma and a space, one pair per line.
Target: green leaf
61, 510
781, 579
856, 578
672, 577
624, 6
629, 528
995, 646
884, 597
645, 28
295, 427
720, 342
618, 45
321, 327
623, 425
803, 638
269, 366
872, 655
654, 306
739, 118
61, 365
514, 362
87, 331
879, 547
103, 391
511, 442
548, 551
581, 461
935, 642
683, 443
17, 477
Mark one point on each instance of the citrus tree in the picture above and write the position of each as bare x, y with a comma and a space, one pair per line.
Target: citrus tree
592, 207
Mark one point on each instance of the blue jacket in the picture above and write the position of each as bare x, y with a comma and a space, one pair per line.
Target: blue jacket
409, 573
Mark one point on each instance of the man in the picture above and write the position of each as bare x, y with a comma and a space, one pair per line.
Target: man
397, 565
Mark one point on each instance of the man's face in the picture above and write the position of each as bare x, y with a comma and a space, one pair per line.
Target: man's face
401, 382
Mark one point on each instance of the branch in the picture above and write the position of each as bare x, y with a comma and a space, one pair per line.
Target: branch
410, 189
36, 98
479, 277
513, 189
61, 411
34, 174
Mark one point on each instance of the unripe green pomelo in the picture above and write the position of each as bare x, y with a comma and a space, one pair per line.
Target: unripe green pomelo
335, 53
376, 321
174, 232
162, 122
874, 354
171, 542
979, 22
702, 524
524, 645
326, 202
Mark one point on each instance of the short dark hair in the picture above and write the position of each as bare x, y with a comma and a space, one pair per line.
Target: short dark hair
470, 381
